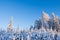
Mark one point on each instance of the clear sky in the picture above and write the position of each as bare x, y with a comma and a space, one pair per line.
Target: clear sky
25, 12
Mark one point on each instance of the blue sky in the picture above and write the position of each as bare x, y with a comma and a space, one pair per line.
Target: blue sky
25, 12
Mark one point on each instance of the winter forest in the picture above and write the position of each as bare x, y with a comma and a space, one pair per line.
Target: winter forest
44, 28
